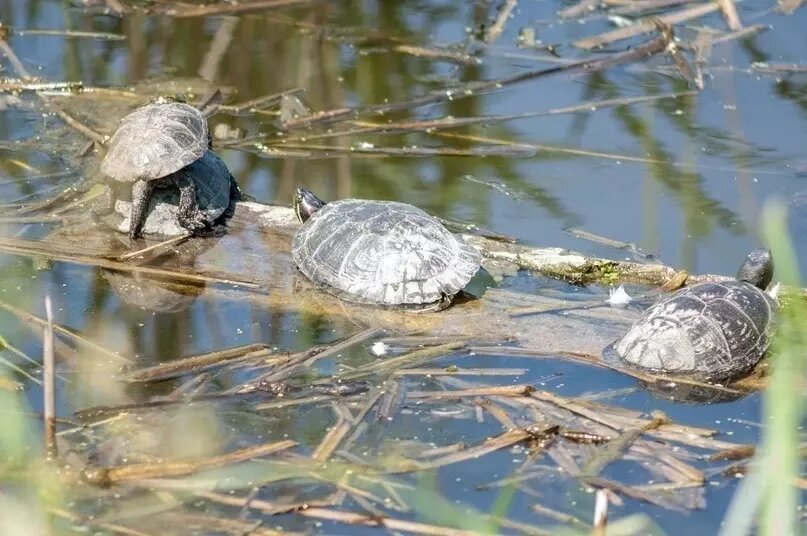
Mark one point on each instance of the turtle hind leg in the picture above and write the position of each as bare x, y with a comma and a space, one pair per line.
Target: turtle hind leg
141, 196
217, 229
235, 196
188, 213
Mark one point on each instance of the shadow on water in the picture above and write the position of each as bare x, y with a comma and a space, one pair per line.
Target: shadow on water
164, 381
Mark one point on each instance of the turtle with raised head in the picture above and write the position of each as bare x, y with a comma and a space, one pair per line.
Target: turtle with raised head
166, 144
380, 252
709, 331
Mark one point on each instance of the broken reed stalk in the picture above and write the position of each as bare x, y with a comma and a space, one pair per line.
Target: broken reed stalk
600, 512
160, 245
211, 10
504, 390
411, 358
198, 363
647, 25
501, 441
338, 516
80, 339
335, 435
456, 371
24, 247
501, 21
49, 394
615, 448
729, 11
364, 127
302, 360
111, 475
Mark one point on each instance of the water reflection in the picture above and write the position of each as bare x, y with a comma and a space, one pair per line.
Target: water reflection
681, 177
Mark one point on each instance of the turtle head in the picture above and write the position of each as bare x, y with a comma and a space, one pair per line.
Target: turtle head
757, 268
306, 204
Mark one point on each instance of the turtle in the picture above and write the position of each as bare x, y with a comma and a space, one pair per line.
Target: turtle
711, 331
154, 147
215, 200
383, 253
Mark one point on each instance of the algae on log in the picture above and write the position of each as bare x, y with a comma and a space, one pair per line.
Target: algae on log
557, 263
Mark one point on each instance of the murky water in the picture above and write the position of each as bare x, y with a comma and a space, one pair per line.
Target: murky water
684, 179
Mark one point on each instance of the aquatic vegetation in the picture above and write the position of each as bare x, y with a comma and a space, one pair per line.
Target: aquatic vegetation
204, 385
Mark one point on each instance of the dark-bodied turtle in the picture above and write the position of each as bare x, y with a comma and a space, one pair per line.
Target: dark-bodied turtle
380, 252
214, 194
709, 331
156, 146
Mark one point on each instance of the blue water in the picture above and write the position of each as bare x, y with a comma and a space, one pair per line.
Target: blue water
684, 179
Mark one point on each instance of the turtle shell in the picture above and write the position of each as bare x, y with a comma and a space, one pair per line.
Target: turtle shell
383, 252
211, 178
710, 331
154, 141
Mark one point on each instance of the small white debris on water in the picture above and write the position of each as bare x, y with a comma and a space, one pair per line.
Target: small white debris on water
379, 348
775, 290
618, 297
364, 146
620, 22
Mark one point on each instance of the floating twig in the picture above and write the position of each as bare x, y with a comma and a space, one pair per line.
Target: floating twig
212, 10
339, 516
647, 25
199, 363
334, 436
616, 447
437, 54
36, 248
504, 390
71, 33
498, 25
160, 245
456, 371
122, 473
729, 11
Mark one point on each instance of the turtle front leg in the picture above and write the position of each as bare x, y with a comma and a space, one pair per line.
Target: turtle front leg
141, 196
188, 212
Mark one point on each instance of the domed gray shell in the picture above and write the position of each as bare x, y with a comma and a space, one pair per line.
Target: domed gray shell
383, 252
212, 179
710, 331
154, 141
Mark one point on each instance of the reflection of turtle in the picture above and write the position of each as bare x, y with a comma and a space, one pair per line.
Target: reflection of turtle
380, 252
155, 147
152, 294
692, 393
710, 331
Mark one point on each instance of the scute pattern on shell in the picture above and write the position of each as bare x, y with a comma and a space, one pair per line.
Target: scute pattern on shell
711, 331
383, 252
154, 141
211, 178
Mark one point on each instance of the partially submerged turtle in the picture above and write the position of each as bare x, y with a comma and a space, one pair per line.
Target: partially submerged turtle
380, 252
709, 331
156, 146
